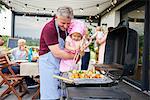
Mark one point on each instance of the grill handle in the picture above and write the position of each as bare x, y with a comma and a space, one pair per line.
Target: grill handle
63, 78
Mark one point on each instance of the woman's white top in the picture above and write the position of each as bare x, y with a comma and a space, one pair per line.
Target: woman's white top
100, 34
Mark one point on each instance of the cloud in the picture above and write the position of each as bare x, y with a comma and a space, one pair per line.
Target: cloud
29, 26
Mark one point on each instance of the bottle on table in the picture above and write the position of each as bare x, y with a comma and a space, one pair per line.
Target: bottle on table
30, 55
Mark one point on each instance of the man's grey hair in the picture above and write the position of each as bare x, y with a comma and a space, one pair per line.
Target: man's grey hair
65, 12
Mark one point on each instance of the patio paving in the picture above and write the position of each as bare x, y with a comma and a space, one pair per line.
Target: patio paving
134, 93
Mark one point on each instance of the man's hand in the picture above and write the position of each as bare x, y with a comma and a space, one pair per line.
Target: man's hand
82, 53
59, 53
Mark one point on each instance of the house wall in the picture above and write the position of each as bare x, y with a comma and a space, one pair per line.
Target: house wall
5, 22
112, 18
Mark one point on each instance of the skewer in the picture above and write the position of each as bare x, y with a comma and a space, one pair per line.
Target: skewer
83, 46
77, 54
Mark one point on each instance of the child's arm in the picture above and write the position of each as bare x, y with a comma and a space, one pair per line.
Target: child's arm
94, 35
86, 43
68, 47
89, 42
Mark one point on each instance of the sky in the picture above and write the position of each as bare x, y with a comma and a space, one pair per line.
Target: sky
29, 26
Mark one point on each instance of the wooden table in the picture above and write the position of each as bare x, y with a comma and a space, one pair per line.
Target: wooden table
29, 69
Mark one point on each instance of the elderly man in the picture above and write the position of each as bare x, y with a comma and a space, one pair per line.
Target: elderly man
5, 70
51, 51
20, 52
1, 41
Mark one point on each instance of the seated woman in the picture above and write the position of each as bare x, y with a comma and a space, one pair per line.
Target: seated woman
20, 53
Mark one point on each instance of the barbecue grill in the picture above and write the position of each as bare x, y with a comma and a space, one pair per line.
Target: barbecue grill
120, 60
92, 89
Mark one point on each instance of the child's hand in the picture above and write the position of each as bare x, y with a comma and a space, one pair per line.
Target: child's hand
77, 46
82, 48
82, 53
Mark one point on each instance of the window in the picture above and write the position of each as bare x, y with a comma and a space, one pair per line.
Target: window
12, 43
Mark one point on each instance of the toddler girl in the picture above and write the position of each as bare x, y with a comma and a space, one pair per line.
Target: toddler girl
73, 42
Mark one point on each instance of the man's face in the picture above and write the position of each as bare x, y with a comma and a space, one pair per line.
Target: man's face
1, 41
63, 22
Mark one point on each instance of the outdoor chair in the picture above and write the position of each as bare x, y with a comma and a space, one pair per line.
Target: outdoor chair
1, 83
11, 80
37, 93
